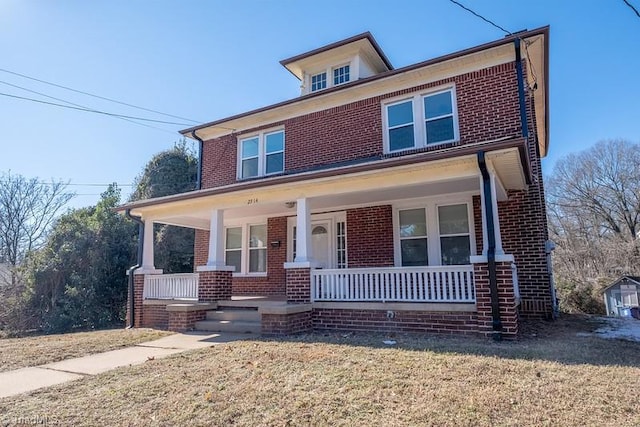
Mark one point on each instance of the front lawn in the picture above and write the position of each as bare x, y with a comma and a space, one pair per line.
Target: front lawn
37, 350
551, 377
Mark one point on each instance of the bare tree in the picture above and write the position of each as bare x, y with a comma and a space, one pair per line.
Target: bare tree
593, 208
28, 208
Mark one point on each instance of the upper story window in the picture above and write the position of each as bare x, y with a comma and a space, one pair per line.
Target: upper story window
318, 81
261, 154
341, 75
421, 120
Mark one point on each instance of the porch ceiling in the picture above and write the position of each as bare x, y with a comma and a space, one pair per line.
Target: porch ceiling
454, 175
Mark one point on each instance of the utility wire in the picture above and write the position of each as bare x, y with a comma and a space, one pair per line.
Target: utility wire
90, 110
98, 96
84, 107
482, 17
632, 8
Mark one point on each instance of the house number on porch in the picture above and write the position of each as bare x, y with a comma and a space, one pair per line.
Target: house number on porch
252, 201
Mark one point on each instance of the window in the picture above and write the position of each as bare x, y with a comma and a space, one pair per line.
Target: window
629, 295
262, 154
438, 116
233, 248
435, 114
246, 248
455, 242
341, 244
318, 82
341, 75
413, 237
434, 234
257, 248
400, 124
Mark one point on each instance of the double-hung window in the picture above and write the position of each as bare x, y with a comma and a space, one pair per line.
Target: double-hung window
246, 248
433, 234
261, 154
420, 120
455, 240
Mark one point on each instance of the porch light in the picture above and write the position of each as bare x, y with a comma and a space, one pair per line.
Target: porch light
290, 205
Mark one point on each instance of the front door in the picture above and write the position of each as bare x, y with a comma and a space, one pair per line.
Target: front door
320, 243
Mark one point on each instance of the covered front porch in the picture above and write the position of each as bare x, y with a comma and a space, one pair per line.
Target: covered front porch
404, 247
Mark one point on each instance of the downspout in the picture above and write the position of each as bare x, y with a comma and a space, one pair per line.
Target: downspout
132, 269
200, 146
491, 249
521, 96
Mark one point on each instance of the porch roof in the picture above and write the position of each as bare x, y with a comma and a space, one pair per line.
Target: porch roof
444, 171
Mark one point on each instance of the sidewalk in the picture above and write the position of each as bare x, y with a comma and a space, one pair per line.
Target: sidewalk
33, 378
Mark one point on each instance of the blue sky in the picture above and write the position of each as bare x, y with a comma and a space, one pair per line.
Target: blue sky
206, 60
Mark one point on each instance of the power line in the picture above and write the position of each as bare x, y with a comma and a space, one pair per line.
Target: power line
84, 107
632, 8
482, 17
90, 110
98, 96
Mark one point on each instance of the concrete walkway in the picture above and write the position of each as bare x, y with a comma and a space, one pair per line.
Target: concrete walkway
33, 378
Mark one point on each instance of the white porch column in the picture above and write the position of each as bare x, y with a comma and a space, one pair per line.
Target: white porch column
496, 220
148, 265
303, 231
215, 259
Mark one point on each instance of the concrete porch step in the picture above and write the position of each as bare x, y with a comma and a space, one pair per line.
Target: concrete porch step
232, 314
237, 326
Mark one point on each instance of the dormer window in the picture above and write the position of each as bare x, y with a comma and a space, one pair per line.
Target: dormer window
318, 81
340, 75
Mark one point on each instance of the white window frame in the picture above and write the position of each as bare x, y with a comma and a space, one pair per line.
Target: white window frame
431, 204
244, 263
317, 75
262, 152
419, 119
336, 68
469, 224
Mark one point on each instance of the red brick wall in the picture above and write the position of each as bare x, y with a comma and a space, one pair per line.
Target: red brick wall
370, 237
155, 316
214, 286
508, 310
138, 288
403, 321
284, 324
200, 249
182, 321
298, 285
487, 109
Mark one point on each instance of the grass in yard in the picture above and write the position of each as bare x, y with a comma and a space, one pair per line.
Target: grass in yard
548, 377
37, 350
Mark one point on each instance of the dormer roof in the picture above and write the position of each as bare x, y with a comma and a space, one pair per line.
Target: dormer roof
363, 44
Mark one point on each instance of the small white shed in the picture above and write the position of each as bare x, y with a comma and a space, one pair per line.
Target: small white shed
622, 295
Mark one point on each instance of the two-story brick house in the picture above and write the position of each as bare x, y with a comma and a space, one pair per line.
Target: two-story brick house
405, 199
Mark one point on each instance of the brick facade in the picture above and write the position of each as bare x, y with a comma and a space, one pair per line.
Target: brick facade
370, 237
214, 286
182, 321
402, 321
285, 324
508, 309
487, 103
138, 288
298, 285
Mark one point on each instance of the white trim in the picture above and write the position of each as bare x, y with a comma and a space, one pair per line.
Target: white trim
305, 264
262, 152
419, 119
481, 259
216, 268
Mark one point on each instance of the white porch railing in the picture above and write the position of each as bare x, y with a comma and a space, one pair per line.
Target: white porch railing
171, 286
452, 284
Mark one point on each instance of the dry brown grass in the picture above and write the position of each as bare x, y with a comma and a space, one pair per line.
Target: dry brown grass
37, 350
552, 378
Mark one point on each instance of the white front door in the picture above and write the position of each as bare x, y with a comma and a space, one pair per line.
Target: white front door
321, 248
